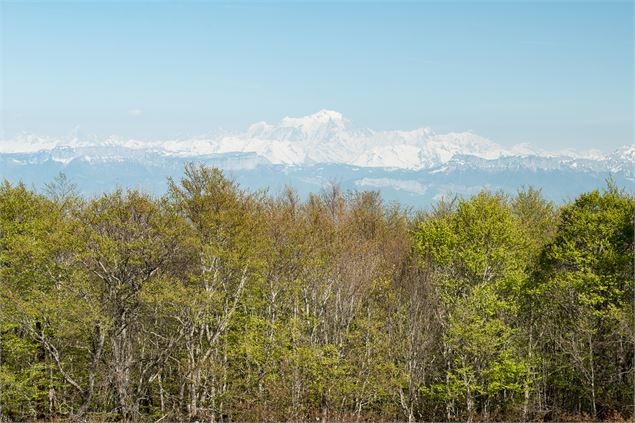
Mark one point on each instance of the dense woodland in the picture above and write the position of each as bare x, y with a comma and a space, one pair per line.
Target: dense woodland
213, 303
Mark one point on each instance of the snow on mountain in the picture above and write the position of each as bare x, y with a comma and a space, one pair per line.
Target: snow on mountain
626, 154
27, 143
322, 137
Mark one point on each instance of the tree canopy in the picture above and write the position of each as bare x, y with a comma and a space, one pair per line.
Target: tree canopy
215, 303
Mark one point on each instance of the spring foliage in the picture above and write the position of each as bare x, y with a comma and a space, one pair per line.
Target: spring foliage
220, 304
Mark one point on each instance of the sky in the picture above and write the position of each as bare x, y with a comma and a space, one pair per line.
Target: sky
552, 74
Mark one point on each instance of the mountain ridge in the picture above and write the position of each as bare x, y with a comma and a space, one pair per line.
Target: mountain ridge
322, 137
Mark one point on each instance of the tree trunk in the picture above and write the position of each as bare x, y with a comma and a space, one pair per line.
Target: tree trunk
99, 338
121, 349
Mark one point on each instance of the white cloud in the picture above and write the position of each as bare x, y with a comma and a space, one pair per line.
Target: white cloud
398, 184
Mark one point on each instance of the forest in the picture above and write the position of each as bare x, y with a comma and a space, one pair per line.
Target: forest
214, 303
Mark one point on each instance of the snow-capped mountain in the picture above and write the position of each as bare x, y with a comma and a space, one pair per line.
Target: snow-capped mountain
412, 166
323, 137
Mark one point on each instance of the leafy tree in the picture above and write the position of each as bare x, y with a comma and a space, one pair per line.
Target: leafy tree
227, 224
477, 256
584, 292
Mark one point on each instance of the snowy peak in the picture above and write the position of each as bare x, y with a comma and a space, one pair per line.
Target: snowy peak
316, 122
325, 124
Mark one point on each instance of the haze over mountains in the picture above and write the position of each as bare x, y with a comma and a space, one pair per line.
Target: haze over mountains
414, 167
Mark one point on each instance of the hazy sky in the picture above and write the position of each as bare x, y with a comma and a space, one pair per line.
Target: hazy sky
556, 75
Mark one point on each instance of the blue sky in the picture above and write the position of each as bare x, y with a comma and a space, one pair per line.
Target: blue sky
553, 74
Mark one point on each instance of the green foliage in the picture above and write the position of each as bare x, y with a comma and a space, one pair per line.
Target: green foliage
477, 257
213, 303
584, 293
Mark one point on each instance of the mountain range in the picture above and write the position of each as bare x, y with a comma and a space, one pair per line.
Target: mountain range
415, 167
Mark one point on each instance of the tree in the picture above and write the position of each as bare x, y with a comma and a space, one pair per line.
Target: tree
477, 256
228, 225
584, 292
130, 241
42, 298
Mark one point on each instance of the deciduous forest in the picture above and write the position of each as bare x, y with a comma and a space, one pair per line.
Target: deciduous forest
213, 303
